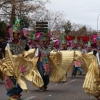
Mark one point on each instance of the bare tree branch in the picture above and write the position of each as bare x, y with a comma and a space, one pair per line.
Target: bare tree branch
20, 7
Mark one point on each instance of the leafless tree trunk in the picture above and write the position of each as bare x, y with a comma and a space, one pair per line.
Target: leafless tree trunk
12, 18
19, 8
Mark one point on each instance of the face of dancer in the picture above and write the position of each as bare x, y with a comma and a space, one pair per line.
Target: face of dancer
34, 42
16, 36
64, 46
44, 43
74, 44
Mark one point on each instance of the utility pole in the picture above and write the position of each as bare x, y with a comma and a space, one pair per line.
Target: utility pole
97, 22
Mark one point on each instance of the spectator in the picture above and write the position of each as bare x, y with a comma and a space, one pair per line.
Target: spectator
77, 62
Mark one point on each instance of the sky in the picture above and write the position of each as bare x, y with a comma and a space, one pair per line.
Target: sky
84, 12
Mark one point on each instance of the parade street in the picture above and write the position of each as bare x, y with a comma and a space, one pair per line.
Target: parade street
70, 90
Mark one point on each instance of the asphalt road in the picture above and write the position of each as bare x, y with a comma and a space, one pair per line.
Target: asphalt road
70, 90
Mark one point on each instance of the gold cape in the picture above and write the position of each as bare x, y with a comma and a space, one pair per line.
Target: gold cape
64, 59
60, 63
11, 66
92, 80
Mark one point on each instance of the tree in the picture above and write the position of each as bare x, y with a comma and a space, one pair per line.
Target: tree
24, 22
83, 30
19, 8
67, 27
55, 19
78, 29
3, 31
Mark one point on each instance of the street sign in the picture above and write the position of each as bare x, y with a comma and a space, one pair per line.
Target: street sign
41, 22
41, 26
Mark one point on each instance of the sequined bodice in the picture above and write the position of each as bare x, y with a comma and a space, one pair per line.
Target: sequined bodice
44, 53
17, 48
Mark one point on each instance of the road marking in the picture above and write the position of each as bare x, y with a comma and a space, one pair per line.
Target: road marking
70, 82
29, 98
64, 83
55, 84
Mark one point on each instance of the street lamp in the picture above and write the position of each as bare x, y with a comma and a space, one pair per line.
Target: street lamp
97, 22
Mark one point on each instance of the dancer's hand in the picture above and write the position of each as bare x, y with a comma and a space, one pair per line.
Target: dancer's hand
25, 55
20, 55
83, 54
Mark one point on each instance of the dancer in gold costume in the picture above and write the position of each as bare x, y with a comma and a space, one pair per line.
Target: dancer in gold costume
18, 64
58, 62
92, 80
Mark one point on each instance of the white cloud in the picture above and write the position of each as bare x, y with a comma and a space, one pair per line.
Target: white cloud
83, 12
